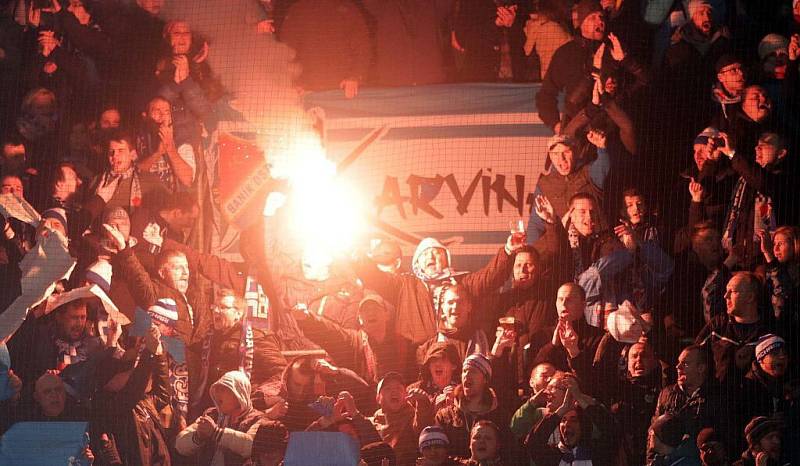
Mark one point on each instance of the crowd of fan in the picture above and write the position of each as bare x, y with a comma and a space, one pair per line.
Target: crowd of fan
630, 334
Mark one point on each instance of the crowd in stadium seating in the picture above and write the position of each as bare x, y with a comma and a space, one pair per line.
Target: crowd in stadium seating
653, 311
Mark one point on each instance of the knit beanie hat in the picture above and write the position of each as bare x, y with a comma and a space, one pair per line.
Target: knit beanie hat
726, 60
706, 435
669, 429
585, 8
432, 435
695, 6
559, 139
100, 273
706, 134
760, 426
772, 43
479, 362
56, 213
767, 344
390, 376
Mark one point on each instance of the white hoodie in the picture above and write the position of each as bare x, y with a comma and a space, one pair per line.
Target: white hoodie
233, 440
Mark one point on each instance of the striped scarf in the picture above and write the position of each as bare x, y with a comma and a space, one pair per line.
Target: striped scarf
246, 352
135, 199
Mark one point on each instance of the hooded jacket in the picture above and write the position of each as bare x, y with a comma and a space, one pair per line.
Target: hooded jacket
456, 421
222, 355
232, 444
425, 382
411, 295
600, 449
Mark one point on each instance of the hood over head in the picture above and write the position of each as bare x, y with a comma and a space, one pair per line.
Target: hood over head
238, 383
428, 243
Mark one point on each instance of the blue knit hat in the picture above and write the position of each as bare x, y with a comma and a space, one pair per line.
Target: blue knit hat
56, 213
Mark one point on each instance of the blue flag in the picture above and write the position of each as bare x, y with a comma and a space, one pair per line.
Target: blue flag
321, 449
44, 444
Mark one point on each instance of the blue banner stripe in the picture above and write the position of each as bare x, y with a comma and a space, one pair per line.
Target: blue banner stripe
445, 132
444, 99
470, 237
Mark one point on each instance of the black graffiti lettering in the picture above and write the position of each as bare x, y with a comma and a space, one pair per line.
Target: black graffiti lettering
486, 184
424, 190
503, 196
391, 196
463, 200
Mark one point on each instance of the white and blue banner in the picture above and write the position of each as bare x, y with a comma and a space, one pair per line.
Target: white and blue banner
457, 162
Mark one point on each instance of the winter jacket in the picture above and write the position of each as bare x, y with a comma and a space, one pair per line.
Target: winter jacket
224, 356
633, 405
699, 409
34, 350
355, 350
233, 443
603, 259
598, 357
571, 64
131, 416
457, 422
193, 321
685, 454
415, 317
331, 41
732, 345
783, 289
589, 178
402, 29
771, 185
600, 450
425, 381
533, 309
401, 429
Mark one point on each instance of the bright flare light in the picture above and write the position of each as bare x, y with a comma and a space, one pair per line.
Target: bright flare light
326, 215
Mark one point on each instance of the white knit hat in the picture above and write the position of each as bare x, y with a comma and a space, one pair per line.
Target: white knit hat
767, 344
432, 435
479, 362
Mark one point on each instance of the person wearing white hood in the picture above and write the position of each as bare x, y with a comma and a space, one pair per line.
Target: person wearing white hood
223, 435
413, 295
